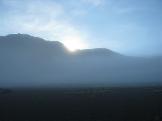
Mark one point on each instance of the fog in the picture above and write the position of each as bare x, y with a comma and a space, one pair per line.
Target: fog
31, 61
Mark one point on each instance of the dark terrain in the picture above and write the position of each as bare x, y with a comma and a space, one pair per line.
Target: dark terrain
133, 93
82, 104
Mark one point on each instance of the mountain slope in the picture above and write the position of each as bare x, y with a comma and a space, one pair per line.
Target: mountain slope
31, 61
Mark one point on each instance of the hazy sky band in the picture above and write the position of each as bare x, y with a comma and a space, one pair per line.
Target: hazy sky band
131, 27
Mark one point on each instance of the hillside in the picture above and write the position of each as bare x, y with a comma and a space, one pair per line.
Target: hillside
32, 61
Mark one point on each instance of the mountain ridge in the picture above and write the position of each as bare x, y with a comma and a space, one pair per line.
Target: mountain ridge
26, 39
32, 61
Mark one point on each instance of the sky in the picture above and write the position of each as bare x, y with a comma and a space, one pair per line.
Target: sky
130, 27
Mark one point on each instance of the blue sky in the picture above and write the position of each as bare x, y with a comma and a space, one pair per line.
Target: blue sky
131, 27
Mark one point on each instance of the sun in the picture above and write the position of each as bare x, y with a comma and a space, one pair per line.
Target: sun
73, 44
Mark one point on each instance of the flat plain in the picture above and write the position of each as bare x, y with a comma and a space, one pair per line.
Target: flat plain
82, 104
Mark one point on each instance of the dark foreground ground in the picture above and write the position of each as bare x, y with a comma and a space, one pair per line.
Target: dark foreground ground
82, 104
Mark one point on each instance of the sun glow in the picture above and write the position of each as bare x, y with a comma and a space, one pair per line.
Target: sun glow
74, 43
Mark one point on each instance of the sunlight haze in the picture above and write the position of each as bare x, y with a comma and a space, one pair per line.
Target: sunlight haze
130, 27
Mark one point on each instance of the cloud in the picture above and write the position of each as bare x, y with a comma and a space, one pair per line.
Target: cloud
95, 3
80, 24
47, 19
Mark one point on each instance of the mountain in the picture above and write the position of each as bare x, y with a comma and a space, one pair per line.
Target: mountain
28, 44
31, 61
96, 52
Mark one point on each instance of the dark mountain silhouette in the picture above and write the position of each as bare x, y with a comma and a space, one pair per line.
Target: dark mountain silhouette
31, 61
96, 52
28, 44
